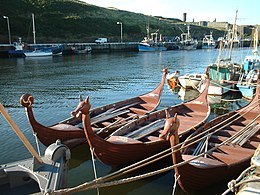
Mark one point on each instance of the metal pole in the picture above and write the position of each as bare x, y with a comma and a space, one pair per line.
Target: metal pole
34, 40
121, 31
8, 27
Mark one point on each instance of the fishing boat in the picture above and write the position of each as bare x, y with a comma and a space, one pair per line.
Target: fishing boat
247, 85
247, 80
39, 53
219, 149
141, 138
43, 52
187, 42
83, 50
151, 46
208, 42
18, 50
151, 42
36, 175
224, 74
191, 80
104, 119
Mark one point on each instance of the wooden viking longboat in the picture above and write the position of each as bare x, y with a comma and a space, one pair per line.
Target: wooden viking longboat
141, 138
104, 120
218, 150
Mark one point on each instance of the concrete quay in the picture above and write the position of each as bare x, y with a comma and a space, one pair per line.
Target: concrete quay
102, 47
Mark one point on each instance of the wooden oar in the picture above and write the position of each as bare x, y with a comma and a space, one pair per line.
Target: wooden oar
19, 133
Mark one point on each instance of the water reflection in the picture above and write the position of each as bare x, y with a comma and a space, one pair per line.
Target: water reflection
187, 94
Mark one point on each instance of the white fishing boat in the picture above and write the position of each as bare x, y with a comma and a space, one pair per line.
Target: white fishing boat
41, 52
36, 175
208, 42
191, 80
187, 42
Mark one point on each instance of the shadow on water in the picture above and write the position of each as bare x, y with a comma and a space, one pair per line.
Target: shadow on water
158, 184
79, 155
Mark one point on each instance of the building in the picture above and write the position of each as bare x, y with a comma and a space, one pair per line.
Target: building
220, 25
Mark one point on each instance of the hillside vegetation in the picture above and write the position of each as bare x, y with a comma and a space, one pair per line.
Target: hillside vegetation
76, 21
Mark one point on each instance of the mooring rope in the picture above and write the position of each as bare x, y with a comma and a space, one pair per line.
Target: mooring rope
216, 125
98, 182
234, 184
196, 136
102, 181
208, 130
175, 183
37, 143
233, 100
223, 86
93, 164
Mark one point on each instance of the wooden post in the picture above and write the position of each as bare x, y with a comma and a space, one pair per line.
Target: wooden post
19, 133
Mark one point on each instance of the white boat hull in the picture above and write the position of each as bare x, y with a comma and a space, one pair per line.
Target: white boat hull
216, 89
190, 80
38, 53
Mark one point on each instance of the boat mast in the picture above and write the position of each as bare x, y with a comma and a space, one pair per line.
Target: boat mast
34, 40
188, 29
255, 52
219, 56
232, 37
148, 30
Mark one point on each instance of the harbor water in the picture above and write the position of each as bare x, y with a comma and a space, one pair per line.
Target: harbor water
56, 83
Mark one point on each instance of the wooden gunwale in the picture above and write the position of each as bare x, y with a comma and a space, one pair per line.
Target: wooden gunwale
119, 149
69, 130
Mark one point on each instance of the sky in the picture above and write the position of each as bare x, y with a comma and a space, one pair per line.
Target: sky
199, 10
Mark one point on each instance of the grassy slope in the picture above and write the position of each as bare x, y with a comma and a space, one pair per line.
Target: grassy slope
76, 21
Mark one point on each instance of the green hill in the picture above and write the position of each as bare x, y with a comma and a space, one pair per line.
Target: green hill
76, 21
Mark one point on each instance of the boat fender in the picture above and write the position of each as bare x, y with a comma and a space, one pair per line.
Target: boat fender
56, 151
